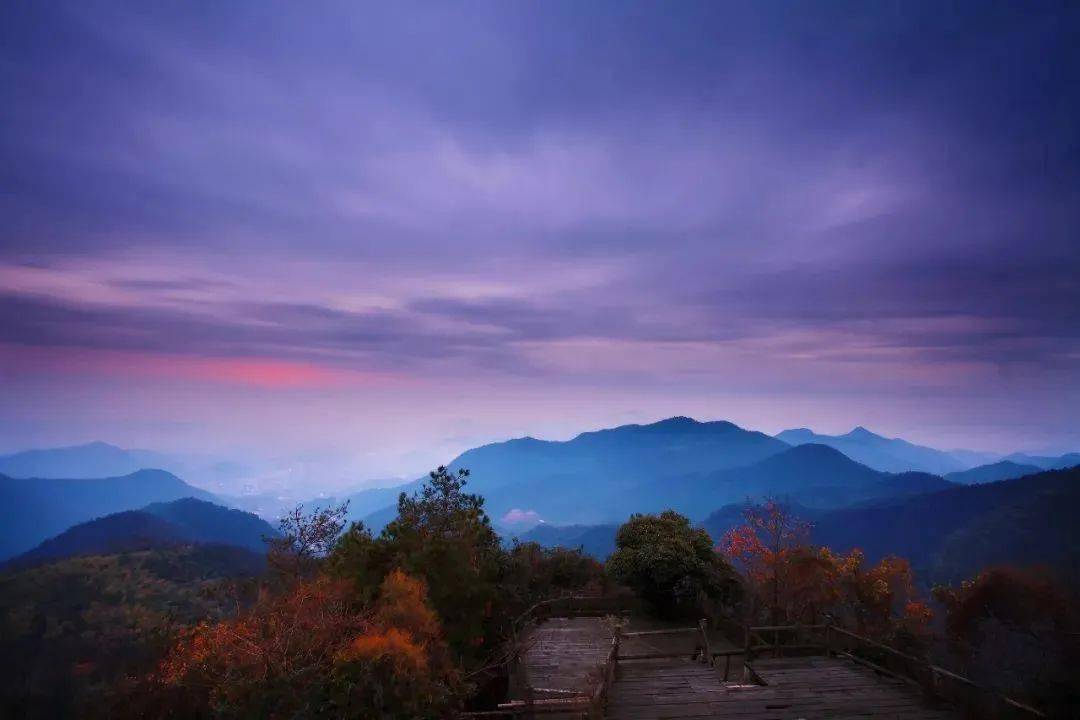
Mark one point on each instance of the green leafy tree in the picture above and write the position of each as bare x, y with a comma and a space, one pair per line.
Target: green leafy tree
672, 565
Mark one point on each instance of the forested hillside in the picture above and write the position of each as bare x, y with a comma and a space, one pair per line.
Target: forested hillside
77, 627
157, 525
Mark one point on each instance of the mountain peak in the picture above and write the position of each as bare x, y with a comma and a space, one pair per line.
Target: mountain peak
675, 422
862, 433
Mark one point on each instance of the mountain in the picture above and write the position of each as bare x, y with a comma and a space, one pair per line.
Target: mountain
125, 531
1059, 462
880, 453
93, 460
206, 522
157, 525
1003, 470
952, 534
39, 508
578, 480
816, 476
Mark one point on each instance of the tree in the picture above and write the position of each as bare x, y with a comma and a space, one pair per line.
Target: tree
305, 539
442, 535
766, 547
671, 565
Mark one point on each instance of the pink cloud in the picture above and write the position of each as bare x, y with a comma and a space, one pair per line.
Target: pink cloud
234, 371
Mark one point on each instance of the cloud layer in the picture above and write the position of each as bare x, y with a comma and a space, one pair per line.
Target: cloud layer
838, 207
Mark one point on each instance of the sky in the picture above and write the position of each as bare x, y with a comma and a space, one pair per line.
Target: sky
384, 233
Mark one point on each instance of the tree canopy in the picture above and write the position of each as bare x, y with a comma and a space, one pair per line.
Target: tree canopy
671, 565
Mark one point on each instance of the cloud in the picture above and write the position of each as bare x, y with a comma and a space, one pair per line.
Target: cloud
516, 516
702, 198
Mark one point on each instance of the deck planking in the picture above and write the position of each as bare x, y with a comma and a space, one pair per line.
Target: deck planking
564, 654
809, 688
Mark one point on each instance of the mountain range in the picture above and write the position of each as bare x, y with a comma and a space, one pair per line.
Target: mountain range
596, 478
43, 507
576, 480
691, 466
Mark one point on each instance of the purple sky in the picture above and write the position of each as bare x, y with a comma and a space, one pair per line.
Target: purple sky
388, 232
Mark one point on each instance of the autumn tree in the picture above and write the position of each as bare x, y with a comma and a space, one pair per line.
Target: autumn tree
671, 564
314, 651
766, 548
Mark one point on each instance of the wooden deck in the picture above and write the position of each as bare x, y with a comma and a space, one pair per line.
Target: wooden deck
562, 654
808, 688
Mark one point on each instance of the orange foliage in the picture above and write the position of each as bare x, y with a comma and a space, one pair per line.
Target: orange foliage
396, 646
284, 635
403, 603
796, 582
315, 647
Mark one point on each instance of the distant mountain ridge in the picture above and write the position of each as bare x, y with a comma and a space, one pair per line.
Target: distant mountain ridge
158, 525
79, 462
1003, 470
813, 475
572, 480
44, 507
682, 464
880, 453
1058, 462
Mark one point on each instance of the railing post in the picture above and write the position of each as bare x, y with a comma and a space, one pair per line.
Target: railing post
746, 647
705, 648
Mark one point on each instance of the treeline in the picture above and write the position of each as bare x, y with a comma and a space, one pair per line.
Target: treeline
409, 623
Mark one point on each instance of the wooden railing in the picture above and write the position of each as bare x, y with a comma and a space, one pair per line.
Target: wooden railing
932, 679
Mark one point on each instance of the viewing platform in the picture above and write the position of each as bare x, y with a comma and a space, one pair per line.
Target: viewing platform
585, 661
